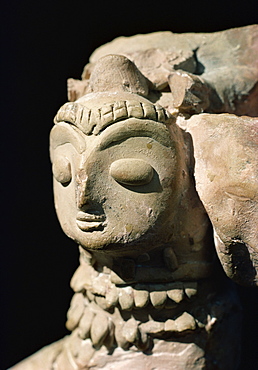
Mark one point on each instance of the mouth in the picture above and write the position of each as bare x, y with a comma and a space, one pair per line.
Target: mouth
90, 221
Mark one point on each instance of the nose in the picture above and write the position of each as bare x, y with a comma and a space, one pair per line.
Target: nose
82, 191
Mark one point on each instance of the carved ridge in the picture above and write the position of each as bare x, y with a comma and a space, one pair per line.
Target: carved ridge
93, 121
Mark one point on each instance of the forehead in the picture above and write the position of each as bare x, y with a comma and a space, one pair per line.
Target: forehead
63, 133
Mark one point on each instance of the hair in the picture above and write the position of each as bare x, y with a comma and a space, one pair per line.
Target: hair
94, 120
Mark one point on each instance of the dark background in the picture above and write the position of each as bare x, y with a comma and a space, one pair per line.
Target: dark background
44, 43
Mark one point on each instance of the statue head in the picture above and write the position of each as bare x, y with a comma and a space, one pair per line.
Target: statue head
122, 174
116, 171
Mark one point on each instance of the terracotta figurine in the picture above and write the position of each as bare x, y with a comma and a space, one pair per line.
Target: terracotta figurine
155, 178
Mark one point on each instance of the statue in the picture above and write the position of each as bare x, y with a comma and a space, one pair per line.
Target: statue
160, 198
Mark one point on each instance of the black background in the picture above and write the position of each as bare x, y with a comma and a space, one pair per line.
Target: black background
44, 43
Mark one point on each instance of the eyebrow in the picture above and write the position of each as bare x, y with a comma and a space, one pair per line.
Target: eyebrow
64, 133
135, 128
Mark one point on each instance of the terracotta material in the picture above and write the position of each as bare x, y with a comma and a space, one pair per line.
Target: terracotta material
226, 172
159, 197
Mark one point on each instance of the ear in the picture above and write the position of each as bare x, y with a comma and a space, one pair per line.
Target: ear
226, 174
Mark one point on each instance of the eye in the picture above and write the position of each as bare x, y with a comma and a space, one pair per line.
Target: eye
62, 170
131, 171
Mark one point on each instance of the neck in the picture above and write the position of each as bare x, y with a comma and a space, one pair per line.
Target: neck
119, 292
117, 310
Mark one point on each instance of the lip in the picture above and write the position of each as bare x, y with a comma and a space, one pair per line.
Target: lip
89, 221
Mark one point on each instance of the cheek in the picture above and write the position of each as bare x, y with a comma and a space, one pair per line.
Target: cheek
125, 207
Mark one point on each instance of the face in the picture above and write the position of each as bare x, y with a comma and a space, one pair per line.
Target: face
116, 190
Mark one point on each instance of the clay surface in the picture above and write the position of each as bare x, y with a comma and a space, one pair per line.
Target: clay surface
224, 62
160, 193
227, 182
